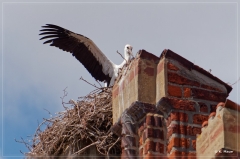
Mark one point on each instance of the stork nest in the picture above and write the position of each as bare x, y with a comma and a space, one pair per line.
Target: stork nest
85, 124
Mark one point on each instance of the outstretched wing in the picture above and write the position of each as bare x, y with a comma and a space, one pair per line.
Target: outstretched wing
83, 48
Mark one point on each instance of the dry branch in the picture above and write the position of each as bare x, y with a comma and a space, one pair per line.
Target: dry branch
89, 83
236, 81
83, 125
121, 55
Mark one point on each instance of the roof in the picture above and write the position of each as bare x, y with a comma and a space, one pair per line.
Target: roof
191, 66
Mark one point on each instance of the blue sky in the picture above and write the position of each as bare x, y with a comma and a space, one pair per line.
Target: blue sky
34, 75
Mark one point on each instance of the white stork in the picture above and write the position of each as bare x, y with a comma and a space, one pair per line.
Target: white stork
85, 51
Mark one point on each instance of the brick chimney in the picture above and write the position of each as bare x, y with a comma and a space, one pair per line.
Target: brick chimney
159, 104
220, 135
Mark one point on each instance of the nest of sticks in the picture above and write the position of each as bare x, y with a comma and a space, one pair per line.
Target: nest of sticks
85, 124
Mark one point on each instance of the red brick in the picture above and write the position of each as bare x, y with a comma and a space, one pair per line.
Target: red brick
183, 142
187, 92
183, 117
213, 108
192, 155
184, 155
142, 126
149, 146
171, 66
199, 119
203, 107
174, 128
182, 104
195, 131
149, 132
175, 154
174, 91
174, 116
140, 140
150, 120
179, 116
182, 129
160, 66
188, 142
191, 130
140, 130
159, 147
194, 144
149, 156
158, 134
174, 142
149, 71
205, 123
158, 121
207, 95
168, 121
175, 78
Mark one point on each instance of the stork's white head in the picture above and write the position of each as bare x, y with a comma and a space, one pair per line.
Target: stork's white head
128, 52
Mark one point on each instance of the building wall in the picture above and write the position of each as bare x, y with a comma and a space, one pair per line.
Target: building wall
182, 93
191, 95
136, 83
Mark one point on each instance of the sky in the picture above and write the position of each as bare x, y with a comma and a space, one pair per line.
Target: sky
34, 75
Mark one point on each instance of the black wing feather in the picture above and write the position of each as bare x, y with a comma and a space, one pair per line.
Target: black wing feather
61, 38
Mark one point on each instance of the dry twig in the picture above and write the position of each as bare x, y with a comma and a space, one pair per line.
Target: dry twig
236, 81
83, 149
121, 56
65, 93
89, 83
83, 125
86, 123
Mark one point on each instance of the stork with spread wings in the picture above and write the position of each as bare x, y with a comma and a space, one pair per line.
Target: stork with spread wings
85, 51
